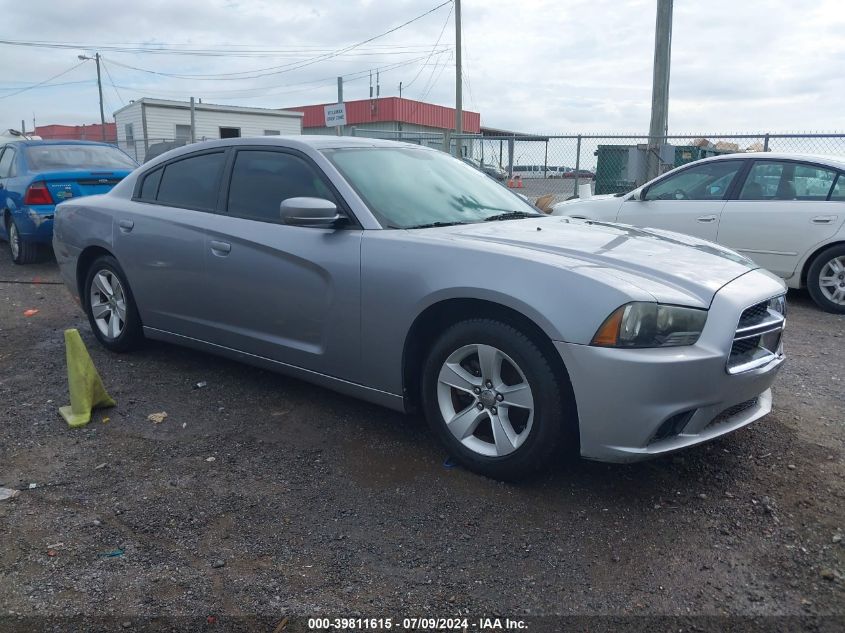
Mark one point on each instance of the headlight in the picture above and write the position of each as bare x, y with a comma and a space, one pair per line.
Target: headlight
644, 324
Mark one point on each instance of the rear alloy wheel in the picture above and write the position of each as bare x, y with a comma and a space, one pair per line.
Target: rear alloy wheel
22, 251
826, 279
493, 399
110, 306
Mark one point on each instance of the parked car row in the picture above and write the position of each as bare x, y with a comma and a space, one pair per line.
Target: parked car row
400, 275
35, 175
784, 211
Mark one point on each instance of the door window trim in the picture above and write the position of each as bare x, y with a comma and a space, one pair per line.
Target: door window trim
743, 175
677, 172
223, 202
139, 182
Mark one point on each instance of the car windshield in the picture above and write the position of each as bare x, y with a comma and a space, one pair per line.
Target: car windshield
411, 188
77, 157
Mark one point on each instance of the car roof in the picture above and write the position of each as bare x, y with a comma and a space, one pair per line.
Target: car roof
316, 141
31, 142
837, 162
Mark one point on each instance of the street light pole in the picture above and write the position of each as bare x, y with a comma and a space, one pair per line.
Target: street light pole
96, 58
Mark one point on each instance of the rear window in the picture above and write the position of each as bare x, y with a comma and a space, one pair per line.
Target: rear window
43, 157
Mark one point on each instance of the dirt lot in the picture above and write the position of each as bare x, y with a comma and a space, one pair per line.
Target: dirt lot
261, 495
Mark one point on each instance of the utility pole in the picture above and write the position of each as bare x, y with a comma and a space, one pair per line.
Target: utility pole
193, 122
660, 86
400, 89
96, 58
459, 108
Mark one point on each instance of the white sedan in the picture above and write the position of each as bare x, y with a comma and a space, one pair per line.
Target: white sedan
784, 211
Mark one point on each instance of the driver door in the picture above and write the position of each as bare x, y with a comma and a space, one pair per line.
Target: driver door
688, 201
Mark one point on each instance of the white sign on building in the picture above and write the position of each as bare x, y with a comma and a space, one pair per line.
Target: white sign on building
335, 115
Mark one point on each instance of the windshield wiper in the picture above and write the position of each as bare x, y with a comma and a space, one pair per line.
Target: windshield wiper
433, 225
512, 215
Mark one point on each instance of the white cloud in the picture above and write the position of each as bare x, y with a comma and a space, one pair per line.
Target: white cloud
540, 66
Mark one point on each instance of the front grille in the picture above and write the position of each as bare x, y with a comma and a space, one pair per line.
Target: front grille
730, 412
757, 338
754, 315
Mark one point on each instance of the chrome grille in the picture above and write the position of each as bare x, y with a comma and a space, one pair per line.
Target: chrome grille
757, 339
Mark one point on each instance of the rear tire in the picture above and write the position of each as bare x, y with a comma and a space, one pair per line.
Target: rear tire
21, 251
826, 279
110, 306
505, 407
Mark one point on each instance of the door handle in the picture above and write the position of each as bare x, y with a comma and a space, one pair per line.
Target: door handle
126, 225
824, 219
707, 218
221, 249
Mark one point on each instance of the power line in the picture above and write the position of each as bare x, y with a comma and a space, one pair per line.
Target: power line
111, 81
443, 30
41, 83
275, 70
223, 51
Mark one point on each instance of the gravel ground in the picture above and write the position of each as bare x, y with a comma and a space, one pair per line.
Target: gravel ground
263, 496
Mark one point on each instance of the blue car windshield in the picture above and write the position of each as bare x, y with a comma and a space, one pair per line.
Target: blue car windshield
409, 188
70, 156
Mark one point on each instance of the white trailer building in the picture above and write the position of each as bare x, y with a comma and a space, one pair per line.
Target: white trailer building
148, 122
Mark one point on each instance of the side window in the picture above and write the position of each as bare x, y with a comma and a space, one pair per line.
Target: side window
709, 181
149, 187
261, 180
6, 160
192, 182
838, 192
772, 180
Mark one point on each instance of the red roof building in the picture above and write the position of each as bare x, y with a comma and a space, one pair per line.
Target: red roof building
392, 110
91, 132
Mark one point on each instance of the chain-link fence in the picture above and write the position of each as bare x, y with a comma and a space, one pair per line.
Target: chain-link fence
564, 166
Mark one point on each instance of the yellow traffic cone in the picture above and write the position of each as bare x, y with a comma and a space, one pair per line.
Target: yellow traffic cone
86, 388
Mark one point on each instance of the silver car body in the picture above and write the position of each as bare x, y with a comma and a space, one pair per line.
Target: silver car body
340, 307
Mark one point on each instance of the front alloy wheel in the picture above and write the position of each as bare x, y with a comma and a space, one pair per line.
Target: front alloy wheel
491, 395
485, 400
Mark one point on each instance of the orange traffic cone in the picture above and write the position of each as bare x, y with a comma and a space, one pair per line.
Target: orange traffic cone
510, 182
518, 183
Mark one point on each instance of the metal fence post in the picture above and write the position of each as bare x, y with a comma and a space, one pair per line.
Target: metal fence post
510, 156
577, 165
766, 143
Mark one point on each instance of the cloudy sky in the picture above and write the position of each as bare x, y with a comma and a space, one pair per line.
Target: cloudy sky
541, 66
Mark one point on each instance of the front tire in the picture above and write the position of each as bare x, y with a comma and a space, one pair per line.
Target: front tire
110, 306
22, 251
492, 397
826, 279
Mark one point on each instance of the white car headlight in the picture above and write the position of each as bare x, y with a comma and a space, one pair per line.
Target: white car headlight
643, 324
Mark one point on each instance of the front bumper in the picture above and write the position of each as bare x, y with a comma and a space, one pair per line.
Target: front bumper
639, 403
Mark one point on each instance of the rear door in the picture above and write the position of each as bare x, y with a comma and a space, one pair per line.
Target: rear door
159, 241
688, 201
783, 210
288, 293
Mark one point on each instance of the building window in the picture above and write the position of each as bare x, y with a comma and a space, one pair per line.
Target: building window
230, 132
130, 133
271, 132
183, 133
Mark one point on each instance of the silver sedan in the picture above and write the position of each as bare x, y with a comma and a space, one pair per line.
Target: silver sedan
400, 275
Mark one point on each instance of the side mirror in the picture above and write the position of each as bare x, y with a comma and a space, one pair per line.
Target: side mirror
639, 195
311, 212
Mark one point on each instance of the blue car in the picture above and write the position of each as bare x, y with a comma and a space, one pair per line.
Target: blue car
36, 175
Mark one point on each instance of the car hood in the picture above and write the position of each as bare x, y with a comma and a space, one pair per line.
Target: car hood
671, 267
608, 203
